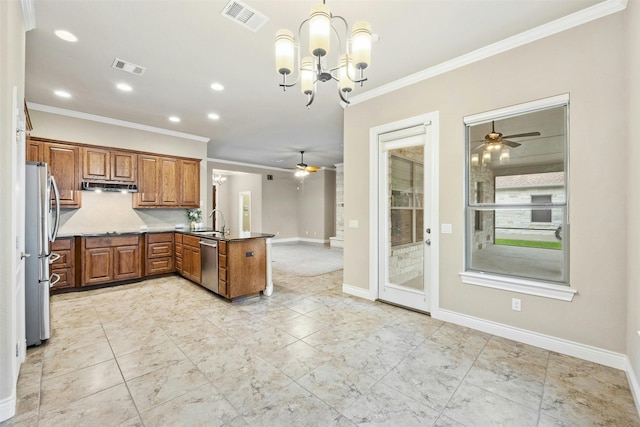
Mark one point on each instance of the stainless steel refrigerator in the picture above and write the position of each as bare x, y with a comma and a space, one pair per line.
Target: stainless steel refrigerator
42, 218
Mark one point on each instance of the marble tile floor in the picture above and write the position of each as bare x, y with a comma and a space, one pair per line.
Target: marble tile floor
166, 352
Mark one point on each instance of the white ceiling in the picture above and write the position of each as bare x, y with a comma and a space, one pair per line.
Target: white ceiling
186, 45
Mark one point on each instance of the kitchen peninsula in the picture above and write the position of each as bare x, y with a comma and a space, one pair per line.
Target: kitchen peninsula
231, 265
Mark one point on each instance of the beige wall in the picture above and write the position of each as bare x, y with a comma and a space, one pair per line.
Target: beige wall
280, 206
585, 62
12, 42
633, 232
317, 196
113, 211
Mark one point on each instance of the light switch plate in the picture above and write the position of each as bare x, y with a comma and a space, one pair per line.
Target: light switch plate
445, 228
353, 223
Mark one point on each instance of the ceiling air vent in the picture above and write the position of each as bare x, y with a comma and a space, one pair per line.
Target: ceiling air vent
119, 64
244, 15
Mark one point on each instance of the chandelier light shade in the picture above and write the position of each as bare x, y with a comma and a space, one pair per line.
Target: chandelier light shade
347, 65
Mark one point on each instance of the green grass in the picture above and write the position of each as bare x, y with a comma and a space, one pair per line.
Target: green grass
529, 243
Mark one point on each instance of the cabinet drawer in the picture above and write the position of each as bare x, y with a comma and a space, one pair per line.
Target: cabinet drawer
191, 241
179, 265
160, 237
222, 247
222, 274
66, 278
222, 288
159, 250
222, 261
159, 265
65, 259
178, 237
109, 242
178, 249
61, 244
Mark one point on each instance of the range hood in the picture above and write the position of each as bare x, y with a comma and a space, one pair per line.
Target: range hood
109, 186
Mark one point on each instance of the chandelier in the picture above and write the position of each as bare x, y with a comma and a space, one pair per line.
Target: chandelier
348, 68
218, 179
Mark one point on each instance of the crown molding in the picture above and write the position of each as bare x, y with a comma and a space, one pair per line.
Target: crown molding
575, 19
28, 14
114, 122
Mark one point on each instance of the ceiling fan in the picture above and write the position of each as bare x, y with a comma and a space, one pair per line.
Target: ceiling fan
303, 169
495, 141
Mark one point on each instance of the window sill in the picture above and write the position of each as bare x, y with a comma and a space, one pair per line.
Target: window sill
523, 286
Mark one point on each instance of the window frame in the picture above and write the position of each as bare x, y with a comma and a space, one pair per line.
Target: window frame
507, 282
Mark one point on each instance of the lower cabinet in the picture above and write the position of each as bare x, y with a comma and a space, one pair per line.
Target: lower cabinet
159, 253
178, 252
64, 266
191, 264
242, 267
110, 259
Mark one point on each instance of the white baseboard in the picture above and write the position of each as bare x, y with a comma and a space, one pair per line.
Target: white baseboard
559, 345
357, 292
633, 383
277, 240
8, 407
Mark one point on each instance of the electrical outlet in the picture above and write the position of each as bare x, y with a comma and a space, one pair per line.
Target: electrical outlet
516, 304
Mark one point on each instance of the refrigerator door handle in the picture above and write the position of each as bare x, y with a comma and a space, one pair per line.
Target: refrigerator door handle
54, 233
52, 283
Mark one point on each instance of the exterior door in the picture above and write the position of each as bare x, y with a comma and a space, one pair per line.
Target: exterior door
404, 236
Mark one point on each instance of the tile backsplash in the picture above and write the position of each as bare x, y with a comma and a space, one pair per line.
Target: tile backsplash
102, 212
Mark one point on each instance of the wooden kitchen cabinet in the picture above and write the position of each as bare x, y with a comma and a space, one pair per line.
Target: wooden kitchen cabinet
167, 182
190, 183
35, 151
101, 164
178, 252
65, 265
242, 267
159, 253
64, 166
191, 264
110, 259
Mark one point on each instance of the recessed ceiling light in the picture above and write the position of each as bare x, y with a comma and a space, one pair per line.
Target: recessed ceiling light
62, 93
213, 116
217, 86
124, 87
66, 36
174, 119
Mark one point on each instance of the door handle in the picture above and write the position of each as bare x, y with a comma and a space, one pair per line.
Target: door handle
24, 255
428, 242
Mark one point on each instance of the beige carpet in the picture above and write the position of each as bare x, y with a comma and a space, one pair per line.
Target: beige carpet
306, 259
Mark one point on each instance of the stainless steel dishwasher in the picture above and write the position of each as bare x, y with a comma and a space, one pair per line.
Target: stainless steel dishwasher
209, 264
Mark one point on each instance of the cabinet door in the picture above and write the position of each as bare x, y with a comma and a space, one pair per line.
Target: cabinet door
190, 183
149, 169
35, 151
196, 265
64, 162
170, 176
123, 166
246, 267
96, 164
98, 266
126, 262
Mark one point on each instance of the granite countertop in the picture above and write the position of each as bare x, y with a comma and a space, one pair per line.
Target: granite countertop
206, 233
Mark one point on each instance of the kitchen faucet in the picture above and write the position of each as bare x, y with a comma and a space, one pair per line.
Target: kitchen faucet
221, 215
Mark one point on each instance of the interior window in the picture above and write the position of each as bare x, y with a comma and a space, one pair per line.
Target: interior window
516, 198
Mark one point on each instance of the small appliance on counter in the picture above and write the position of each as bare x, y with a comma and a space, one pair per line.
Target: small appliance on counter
42, 218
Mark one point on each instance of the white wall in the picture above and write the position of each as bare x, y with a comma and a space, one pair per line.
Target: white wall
569, 62
12, 48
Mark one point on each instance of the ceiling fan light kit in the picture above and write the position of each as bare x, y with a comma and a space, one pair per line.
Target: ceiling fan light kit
495, 142
349, 65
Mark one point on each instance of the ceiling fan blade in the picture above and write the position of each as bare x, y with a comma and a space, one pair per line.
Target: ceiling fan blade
312, 168
511, 143
479, 147
522, 135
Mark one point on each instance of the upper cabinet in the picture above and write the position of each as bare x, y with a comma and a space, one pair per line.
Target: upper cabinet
167, 182
64, 165
162, 181
108, 165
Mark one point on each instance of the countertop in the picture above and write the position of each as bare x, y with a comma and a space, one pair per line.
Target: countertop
205, 233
